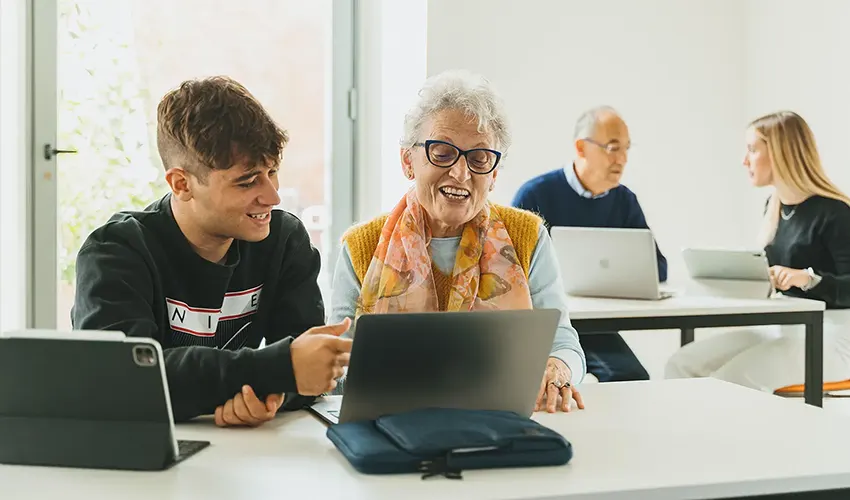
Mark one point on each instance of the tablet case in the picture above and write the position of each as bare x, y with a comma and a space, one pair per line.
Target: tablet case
83, 403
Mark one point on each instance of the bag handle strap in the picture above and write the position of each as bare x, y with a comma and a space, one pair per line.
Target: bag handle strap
439, 467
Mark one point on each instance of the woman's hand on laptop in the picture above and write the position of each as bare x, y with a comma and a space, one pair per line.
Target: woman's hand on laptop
784, 278
556, 390
246, 409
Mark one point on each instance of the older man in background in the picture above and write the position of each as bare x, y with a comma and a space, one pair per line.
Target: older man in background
587, 193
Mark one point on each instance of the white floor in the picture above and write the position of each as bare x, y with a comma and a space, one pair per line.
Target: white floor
653, 348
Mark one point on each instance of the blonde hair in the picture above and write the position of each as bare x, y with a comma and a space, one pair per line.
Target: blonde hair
795, 161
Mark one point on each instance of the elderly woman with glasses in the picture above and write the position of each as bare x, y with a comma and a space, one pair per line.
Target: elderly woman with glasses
445, 247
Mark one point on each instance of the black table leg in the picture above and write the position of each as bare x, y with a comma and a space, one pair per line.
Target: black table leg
814, 361
687, 336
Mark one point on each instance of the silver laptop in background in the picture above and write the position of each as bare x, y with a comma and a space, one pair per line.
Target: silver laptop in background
608, 262
726, 264
483, 360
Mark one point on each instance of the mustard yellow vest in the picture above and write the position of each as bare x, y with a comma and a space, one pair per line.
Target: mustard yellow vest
522, 227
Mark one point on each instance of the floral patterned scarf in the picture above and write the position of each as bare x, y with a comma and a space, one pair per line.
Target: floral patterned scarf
487, 273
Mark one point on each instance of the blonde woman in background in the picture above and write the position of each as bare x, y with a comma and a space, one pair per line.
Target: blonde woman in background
806, 235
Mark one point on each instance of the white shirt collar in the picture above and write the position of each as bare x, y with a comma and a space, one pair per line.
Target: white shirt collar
575, 183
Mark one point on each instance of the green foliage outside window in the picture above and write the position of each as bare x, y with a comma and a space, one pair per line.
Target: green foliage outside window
105, 112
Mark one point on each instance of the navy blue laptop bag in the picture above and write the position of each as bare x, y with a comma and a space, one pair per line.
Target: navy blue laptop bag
443, 441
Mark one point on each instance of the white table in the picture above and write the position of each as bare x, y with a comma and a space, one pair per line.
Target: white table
672, 439
686, 312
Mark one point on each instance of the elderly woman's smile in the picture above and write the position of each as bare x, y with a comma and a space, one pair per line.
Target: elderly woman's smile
455, 194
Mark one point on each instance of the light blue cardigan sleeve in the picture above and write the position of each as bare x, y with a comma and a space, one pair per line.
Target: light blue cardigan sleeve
544, 281
547, 292
345, 290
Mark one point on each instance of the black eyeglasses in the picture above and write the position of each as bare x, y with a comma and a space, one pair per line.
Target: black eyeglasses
611, 148
445, 154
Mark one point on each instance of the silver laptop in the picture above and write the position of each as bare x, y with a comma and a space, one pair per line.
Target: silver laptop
490, 360
608, 262
726, 264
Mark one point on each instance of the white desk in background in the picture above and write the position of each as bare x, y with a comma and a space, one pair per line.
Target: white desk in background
670, 439
686, 312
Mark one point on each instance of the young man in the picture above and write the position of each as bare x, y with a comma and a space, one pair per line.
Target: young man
588, 193
211, 268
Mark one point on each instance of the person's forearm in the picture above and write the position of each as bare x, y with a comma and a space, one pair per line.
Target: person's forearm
567, 348
202, 378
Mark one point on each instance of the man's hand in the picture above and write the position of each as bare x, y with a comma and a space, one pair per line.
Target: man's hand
319, 357
784, 278
246, 409
555, 385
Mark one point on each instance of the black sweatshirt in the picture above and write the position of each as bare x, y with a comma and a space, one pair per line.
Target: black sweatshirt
816, 234
137, 274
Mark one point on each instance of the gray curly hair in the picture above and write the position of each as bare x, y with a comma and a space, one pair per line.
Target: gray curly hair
459, 90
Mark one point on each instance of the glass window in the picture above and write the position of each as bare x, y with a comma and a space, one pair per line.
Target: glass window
116, 58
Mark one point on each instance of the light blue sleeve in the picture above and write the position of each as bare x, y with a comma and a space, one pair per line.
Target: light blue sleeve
345, 290
547, 292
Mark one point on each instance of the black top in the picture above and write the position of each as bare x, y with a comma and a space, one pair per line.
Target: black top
816, 234
138, 274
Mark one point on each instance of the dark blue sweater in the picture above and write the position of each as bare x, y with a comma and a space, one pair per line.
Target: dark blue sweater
552, 197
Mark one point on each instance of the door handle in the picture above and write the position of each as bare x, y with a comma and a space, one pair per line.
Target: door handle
50, 151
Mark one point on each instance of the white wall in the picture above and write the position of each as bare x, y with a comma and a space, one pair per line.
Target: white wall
798, 59
391, 68
403, 71
676, 70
